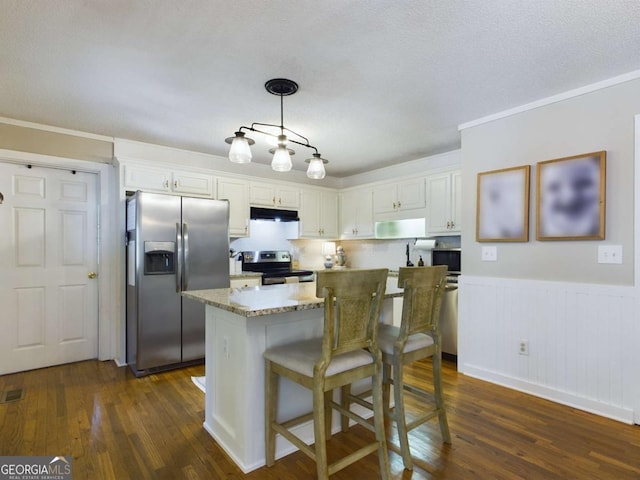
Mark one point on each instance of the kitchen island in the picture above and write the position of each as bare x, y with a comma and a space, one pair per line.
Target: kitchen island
240, 325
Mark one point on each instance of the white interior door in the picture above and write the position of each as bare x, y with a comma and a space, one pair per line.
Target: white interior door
48, 267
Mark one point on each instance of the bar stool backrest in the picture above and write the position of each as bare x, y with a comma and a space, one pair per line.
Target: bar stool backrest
352, 301
423, 290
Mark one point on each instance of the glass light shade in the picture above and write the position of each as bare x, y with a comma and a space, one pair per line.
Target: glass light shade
240, 152
281, 160
316, 169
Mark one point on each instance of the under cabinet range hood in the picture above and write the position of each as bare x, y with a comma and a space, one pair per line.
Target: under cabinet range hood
274, 214
407, 228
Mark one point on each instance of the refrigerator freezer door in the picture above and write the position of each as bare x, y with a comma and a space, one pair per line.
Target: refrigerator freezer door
158, 322
205, 226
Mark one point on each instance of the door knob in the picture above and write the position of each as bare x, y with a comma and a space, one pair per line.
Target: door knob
92, 275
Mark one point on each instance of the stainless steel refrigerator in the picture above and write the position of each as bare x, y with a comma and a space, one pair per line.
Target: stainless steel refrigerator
173, 244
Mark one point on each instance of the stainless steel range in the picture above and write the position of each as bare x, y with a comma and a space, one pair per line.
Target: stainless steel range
275, 266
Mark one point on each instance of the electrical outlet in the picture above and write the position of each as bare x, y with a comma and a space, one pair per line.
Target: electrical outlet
523, 347
610, 254
489, 254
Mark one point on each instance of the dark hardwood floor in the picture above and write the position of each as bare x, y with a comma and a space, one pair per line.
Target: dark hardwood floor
118, 427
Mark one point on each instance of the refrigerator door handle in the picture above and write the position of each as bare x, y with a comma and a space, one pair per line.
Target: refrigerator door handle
179, 258
185, 240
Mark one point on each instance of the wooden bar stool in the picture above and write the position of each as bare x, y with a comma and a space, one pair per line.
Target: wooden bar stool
418, 337
347, 352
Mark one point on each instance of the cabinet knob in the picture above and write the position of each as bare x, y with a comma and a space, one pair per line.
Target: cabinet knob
280, 201
166, 184
273, 200
394, 205
92, 275
399, 204
175, 184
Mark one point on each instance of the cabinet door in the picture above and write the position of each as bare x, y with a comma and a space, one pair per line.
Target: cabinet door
193, 183
411, 194
146, 179
349, 214
356, 210
310, 214
287, 197
439, 203
384, 198
236, 191
364, 225
456, 202
262, 194
329, 214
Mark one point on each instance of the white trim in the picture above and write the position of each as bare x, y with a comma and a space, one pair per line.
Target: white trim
636, 281
610, 411
49, 128
553, 99
108, 301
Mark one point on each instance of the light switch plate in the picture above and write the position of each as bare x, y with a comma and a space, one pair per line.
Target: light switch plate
489, 254
609, 253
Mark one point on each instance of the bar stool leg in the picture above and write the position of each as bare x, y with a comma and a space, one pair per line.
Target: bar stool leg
386, 388
400, 414
320, 429
437, 390
378, 418
345, 392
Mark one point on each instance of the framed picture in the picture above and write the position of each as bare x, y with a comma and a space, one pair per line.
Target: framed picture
570, 198
502, 213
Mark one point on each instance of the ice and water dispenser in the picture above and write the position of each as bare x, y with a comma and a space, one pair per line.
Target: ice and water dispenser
159, 258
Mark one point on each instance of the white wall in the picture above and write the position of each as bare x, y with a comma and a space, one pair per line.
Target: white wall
578, 316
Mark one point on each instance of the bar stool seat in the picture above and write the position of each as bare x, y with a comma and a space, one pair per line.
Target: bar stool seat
302, 356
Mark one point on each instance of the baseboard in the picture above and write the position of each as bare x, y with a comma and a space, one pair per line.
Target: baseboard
620, 414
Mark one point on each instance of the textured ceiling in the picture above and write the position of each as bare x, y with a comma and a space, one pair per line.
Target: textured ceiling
381, 82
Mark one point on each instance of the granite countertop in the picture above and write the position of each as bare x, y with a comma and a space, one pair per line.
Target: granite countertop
270, 299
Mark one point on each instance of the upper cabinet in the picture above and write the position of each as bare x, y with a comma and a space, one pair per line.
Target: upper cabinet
318, 214
237, 192
275, 196
151, 179
443, 195
356, 213
398, 197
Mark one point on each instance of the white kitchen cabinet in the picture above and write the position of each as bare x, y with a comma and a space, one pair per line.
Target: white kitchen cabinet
399, 197
318, 214
275, 196
146, 179
443, 211
237, 192
192, 183
151, 179
356, 214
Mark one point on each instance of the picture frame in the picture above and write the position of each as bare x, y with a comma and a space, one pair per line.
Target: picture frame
502, 207
570, 197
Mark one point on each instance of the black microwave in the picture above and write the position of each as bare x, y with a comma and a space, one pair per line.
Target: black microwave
449, 257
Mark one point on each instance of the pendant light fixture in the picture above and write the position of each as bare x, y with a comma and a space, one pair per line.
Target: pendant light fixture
240, 150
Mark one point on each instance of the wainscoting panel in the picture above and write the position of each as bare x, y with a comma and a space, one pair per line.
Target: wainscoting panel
581, 340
